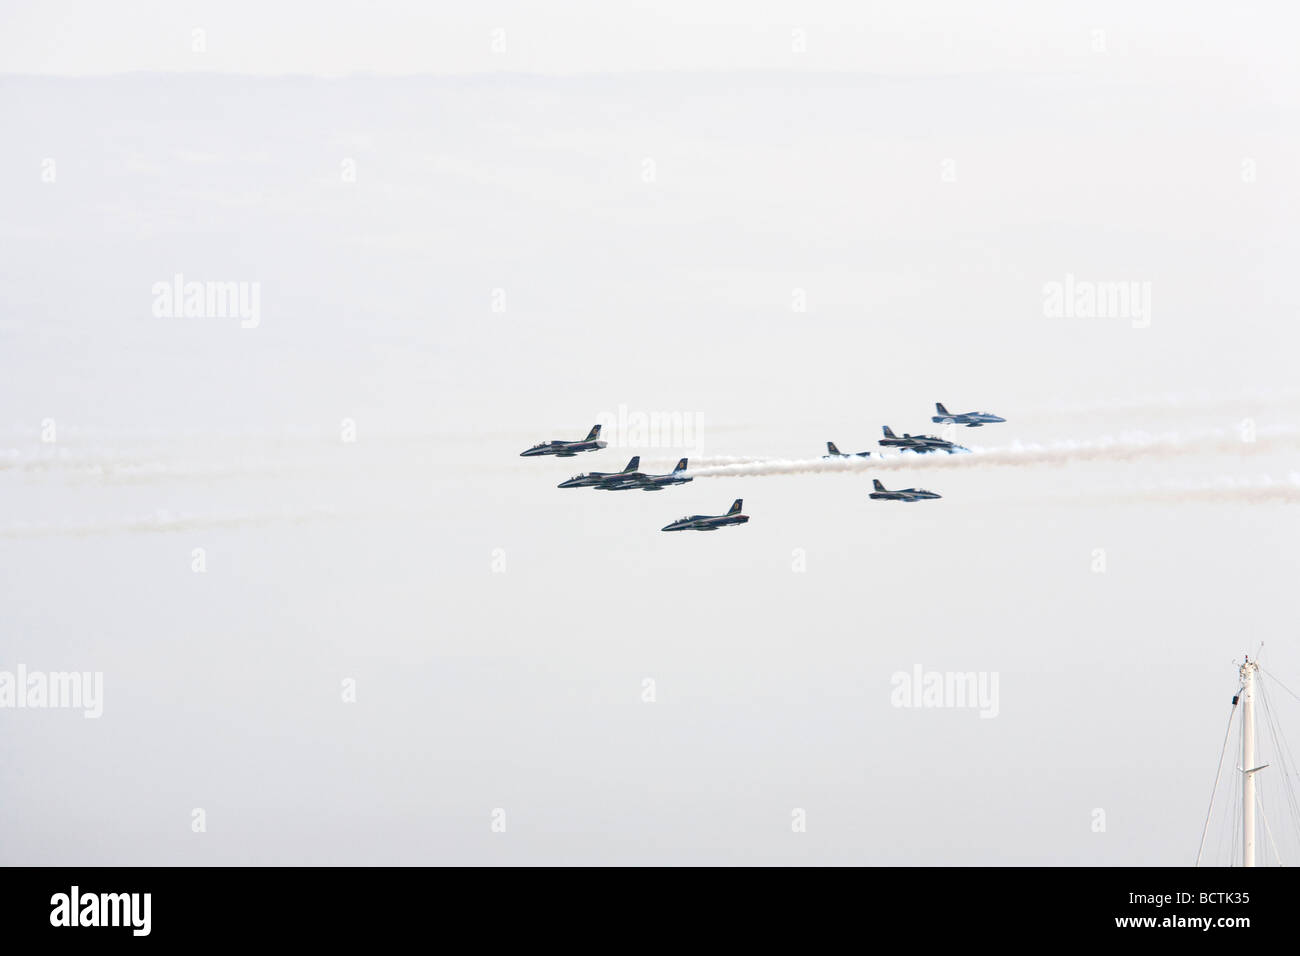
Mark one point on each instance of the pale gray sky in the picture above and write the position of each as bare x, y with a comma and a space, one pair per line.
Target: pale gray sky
463, 265
582, 36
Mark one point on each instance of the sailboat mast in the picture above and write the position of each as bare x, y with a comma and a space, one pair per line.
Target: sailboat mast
1248, 767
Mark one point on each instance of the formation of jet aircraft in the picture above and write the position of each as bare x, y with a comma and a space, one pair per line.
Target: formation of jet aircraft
631, 477
902, 494
709, 522
833, 452
567, 449
969, 419
921, 444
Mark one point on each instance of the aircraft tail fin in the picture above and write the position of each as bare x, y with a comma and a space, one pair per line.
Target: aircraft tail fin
593, 434
633, 465
889, 432
938, 407
681, 466
876, 482
830, 447
735, 506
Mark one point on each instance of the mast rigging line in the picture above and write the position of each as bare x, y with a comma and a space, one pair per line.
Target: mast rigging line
1217, 775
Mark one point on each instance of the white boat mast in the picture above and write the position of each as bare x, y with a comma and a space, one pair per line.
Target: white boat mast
1248, 768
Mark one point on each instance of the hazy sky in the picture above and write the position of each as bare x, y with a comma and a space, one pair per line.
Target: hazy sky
579, 36
451, 268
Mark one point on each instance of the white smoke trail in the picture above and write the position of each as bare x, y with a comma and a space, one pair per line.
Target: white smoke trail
160, 522
1124, 448
113, 466
1263, 489
704, 461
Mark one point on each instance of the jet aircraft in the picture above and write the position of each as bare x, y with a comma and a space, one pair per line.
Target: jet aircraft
919, 443
598, 479
566, 449
833, 452
902, 494
709, 522
969, 419
677, 476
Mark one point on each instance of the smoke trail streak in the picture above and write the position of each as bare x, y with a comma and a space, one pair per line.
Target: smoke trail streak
1124, 448
704, 460
1264, 489
161, 522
